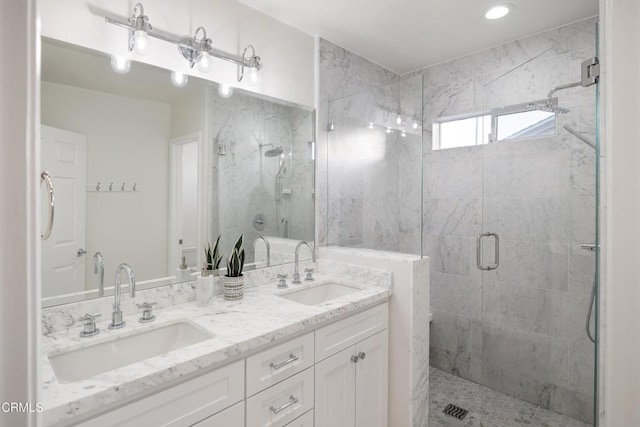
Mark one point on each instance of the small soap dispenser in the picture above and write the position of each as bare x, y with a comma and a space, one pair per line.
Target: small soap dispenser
183, 274
204, 288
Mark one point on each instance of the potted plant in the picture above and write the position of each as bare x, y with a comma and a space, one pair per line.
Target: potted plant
233, 281
213, 255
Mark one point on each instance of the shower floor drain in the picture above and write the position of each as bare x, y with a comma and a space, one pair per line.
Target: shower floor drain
455, 411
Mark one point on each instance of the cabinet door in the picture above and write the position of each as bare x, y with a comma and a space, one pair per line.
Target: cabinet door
231, 417
372, 381
335, 390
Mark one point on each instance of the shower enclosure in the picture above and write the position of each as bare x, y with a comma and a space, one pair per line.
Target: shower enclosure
507, 217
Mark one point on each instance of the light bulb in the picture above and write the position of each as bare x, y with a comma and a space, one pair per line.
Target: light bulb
224, 90
254, 77
179, 79
399, 120
141, 42
388, 130
415, 125
204, 63
370, 125
120, 64
403, 134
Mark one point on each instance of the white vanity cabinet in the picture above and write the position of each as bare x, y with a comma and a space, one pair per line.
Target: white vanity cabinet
335, 376
352, 382
185, 404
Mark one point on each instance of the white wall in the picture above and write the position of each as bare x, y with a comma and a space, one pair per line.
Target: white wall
287, 53
19, 222
622, 211
127, 141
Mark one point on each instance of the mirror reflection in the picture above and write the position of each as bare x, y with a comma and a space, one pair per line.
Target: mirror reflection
148, 168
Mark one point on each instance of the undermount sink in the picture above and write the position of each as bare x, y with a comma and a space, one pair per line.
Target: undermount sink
106, 356
319, 294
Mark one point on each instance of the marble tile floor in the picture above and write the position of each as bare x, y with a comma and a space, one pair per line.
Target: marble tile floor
493, 409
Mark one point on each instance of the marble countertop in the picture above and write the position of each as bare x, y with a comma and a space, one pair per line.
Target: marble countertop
238, 328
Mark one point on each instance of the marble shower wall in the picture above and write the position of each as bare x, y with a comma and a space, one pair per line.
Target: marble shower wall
244, 179
373, 163
518, 329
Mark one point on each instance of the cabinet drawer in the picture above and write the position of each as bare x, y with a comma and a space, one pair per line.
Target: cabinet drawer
279, 363
231, 417
282, 403
183, 404
344, 333
304, 421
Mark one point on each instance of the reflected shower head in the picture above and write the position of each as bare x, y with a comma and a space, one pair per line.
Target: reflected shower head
274, 152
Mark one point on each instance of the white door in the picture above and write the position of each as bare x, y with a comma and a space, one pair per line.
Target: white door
335, 390
64, 156
372, 381
183, 211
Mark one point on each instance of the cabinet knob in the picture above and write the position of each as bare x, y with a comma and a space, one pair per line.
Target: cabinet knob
361, 355
354, 359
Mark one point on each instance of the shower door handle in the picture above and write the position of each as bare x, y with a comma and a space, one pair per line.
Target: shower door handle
479, 252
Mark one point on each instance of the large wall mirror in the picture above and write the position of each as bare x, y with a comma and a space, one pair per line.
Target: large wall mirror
147, 172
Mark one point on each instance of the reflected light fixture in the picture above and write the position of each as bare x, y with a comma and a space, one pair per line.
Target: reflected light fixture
224, 90
197, 49
120, 64
403, 134
371, 125
179, 79
498, 11
399, 120
388, 130
415, 125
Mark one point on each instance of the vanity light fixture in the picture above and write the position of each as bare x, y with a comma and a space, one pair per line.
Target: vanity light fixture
497, 11
120, 64
254, 63
224, 90
179, 79
197, 49
139, 41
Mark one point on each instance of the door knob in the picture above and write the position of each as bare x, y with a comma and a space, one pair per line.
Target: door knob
80, 252
361, 355
354, 359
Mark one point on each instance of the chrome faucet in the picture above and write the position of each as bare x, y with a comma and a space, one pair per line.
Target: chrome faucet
116, 318
98, 268
296, 268
266, 243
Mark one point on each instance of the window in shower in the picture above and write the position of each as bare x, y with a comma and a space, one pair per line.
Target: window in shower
507, 124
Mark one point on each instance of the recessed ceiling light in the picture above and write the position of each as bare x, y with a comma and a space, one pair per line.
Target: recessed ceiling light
498, 11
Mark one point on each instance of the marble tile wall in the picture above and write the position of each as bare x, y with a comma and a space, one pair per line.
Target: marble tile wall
518, 329
245, 178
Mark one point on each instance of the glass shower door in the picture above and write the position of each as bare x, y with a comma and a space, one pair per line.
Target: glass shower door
538, 213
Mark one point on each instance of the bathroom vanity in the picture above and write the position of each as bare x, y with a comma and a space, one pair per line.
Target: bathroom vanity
277, 357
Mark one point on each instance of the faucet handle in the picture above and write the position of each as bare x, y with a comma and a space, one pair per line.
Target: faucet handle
147, 313
309, 272
282, 281
89, 328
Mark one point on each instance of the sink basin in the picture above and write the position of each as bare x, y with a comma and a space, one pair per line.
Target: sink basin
319, 293
106, 356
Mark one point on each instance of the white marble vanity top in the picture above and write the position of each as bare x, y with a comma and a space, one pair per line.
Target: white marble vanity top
239, 328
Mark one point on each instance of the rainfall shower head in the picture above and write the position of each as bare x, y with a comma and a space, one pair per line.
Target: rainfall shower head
549, 106
274, 152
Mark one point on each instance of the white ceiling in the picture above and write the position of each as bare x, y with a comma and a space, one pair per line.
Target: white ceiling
406, 35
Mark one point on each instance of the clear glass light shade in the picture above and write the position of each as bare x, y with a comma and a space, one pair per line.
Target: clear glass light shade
204, 63
179, 79
141, 42
254, 77
224, 90
120, 64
